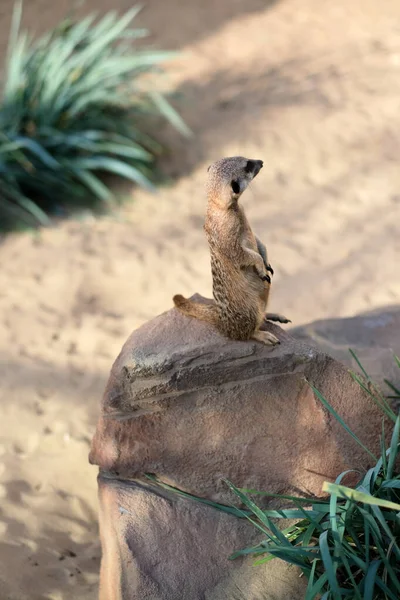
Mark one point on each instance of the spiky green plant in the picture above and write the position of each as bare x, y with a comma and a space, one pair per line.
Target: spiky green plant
75, 106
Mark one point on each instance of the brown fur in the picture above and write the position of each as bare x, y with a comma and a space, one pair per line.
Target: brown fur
239, 263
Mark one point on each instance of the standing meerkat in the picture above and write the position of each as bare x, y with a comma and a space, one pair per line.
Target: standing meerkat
239, 262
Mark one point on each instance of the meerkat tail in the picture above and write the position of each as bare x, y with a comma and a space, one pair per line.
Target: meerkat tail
203, 312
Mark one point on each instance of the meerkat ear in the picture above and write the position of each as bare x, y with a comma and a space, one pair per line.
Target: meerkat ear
235, 185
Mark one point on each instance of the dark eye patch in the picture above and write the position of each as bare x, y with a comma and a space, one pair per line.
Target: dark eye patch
249, 168
235, 187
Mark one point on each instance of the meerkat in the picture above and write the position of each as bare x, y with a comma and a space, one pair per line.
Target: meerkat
239, 260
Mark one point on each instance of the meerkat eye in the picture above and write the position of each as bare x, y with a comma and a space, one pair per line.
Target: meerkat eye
235, 187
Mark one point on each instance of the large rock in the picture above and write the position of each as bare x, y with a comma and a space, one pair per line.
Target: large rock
192, 407
374, 336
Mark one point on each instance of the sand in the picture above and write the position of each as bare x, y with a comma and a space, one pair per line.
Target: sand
310, 87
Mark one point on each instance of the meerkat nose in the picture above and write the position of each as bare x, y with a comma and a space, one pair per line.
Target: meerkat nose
258, 164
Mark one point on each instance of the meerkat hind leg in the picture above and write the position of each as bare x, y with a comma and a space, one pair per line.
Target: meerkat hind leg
277, 318
265, 337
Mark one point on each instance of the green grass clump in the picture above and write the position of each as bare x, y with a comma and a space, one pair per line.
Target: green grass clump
348, 546
75, 107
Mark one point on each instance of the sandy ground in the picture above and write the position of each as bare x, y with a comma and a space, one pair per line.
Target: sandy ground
310, 87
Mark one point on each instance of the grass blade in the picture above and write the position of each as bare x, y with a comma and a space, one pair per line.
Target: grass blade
342, 423
356, 496
370, 580
354, 355
394, 446
170, 114
329, 567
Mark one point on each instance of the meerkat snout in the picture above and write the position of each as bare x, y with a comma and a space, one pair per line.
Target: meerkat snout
254, 167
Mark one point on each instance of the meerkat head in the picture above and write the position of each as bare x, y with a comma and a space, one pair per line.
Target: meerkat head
229, 177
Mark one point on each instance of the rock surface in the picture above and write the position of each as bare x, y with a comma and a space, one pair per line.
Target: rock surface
192, 407
373, 335
186, 404
158, 546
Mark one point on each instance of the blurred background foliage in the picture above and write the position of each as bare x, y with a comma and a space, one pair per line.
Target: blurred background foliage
77, 104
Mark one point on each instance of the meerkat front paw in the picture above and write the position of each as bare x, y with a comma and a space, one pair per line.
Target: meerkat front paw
266, 277
269, 268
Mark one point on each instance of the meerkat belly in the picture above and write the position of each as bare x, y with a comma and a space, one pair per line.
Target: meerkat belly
238, 298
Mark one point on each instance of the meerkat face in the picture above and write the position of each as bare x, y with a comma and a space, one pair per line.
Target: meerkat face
229, 177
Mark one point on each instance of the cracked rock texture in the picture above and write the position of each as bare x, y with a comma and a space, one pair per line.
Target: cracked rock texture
190, 406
